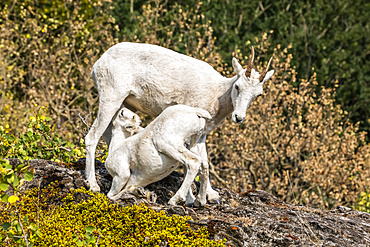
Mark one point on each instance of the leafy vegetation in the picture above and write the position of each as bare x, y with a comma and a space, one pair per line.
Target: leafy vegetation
95, 220
11, 179
39, 142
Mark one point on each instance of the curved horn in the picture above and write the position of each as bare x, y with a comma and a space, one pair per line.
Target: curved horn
250, 65
263, 74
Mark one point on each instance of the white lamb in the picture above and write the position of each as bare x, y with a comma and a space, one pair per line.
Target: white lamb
156, 151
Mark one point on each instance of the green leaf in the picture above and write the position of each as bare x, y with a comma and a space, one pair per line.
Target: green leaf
90, 239
4, 186
90, 229
11, 138
6, 226
4, 198
28, 176
25, 220
20, 167
29, 133
79, 243
17, 227
16, 181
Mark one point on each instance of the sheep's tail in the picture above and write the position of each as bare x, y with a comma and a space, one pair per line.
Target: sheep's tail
203, 113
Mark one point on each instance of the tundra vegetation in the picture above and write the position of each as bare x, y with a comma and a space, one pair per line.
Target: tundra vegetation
302, 140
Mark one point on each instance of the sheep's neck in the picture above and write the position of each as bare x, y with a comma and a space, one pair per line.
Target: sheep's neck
225, 104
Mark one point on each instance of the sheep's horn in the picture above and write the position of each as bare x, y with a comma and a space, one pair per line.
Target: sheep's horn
263, 74
250, 65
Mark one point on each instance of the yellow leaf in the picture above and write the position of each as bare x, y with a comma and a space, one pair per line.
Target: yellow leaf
13, 199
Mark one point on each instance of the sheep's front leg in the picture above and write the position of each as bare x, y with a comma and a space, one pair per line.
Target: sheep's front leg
212, 195
201, 199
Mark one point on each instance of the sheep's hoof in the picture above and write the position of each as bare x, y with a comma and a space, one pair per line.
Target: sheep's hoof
198, 203
189, 205
93, 187
176, 200
215, 201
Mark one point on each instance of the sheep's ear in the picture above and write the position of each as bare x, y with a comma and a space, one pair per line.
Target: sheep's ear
268, 76
238, 69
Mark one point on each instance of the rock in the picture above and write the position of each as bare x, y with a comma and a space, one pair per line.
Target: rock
252, 218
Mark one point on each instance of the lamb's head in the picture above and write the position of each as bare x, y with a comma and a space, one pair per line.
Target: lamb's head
127, 121
248, 86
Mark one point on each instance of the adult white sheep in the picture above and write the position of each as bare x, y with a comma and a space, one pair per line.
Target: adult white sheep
156, 151
150, 78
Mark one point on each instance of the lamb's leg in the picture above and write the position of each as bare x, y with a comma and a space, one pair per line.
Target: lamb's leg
190, 198
120, 179
192, 163
200, 149
190, 160
107, 110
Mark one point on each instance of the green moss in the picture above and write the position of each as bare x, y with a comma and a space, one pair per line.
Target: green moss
66, 224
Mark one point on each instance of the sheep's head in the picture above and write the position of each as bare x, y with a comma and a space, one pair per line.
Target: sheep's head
247, 86
128, 121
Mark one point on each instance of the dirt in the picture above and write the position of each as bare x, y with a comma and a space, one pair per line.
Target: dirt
251, 218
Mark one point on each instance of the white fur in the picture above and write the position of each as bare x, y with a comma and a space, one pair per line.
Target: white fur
156, 151
150, 78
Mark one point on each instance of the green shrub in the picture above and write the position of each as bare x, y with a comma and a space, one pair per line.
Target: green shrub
11, 179
72, 221
39, 142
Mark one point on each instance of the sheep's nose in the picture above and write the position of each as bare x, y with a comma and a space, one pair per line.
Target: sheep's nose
239, 119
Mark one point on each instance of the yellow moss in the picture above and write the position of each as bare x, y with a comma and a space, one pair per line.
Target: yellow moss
135, 225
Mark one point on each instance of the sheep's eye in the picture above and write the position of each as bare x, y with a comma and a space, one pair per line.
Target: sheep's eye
236, 87
133, 117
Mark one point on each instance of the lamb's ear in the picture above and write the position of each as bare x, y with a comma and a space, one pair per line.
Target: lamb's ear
268, 76
238, 69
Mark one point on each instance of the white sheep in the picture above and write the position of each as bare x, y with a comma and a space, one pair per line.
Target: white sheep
150, 78
156, 151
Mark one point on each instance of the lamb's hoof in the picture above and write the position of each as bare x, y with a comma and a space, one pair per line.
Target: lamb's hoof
189, 205
152, 198
141, 191
215, 201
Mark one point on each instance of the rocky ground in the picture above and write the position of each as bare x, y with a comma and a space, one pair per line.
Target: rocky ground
252, 218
